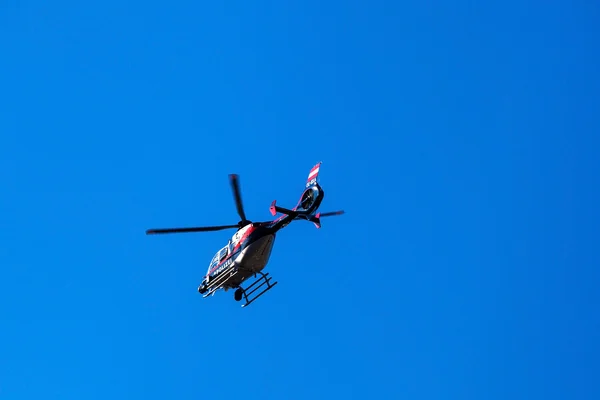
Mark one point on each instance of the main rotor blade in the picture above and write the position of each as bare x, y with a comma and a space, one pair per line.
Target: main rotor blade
193, 229
235, 185
329, 214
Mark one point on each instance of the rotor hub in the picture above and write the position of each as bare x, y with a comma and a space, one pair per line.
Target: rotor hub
243, 223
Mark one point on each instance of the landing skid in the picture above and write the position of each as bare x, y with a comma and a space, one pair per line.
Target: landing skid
241, 292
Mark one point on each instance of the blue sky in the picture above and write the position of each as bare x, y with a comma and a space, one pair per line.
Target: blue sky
460, 138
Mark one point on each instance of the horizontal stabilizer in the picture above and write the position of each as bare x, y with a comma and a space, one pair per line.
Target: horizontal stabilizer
316, 219
332, 213
275, 209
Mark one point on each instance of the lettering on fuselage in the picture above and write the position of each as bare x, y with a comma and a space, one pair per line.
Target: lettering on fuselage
225, 265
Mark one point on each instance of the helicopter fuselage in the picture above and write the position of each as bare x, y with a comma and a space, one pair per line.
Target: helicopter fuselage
246, 259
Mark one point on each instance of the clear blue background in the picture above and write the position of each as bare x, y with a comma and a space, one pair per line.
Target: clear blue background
460, 137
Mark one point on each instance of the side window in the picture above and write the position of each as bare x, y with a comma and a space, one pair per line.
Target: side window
213, 263
223, 253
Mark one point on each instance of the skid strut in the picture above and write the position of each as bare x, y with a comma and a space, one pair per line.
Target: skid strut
260, 281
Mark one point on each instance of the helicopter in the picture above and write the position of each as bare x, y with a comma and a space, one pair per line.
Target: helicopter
247, 252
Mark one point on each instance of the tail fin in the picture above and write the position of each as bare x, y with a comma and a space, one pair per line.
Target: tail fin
309, 201
313, 175
316, 219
